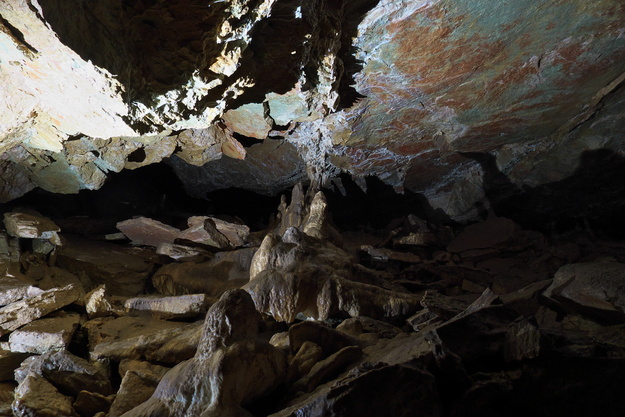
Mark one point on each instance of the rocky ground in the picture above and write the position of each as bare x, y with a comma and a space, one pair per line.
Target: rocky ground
303, 319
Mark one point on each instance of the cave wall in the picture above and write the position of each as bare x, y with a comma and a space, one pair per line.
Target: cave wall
262, 94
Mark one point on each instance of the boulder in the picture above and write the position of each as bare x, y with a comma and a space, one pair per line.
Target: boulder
35, 396
486, 237
69, 373
306, 357
328, 368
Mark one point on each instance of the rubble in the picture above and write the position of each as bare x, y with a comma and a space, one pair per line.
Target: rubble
304, 327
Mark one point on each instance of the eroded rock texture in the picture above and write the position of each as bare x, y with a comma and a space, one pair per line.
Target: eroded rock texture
446, 98
302, 318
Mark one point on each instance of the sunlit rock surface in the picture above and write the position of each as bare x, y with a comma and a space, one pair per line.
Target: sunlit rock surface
437, 97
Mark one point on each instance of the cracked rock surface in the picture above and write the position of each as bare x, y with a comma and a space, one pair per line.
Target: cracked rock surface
436, 97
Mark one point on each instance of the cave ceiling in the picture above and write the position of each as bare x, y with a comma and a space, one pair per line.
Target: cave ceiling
436, 97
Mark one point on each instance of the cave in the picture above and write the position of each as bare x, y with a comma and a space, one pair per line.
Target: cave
274, 208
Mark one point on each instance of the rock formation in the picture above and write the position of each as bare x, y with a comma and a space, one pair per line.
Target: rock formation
312, 208
486, 319
435, 97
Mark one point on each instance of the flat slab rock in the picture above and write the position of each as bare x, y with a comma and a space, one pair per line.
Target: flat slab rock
13, 289
31, 226
182, 306
596, 289
204, 230
146, 231
139, 337
22, 312
43, 335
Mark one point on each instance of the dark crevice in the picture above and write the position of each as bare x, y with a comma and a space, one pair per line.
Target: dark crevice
246, 141
592, 198
138, 155
17, 35
353, 208
354, 12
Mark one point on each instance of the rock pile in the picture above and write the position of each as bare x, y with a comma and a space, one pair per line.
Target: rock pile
306, 321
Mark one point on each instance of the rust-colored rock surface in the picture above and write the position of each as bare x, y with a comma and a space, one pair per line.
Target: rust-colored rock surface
436, 97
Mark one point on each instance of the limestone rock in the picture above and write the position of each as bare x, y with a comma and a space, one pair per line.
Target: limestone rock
328, 368
30, 226
225, 271
248, 120
484, 236
133, 337
596, 289
358, 325
6, 399
142, 368
145, 231
403, 388
99, 303
19, 313
175, 307
181, 346
330, 340
284, 295
134, 390
182, 253
9, 362
204, 230
124, 271
43, 335
88, 404
13, 289
292, 215
35, 396
67, 372
306, 357
384, 255
522, 341
480, 335
230, 368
